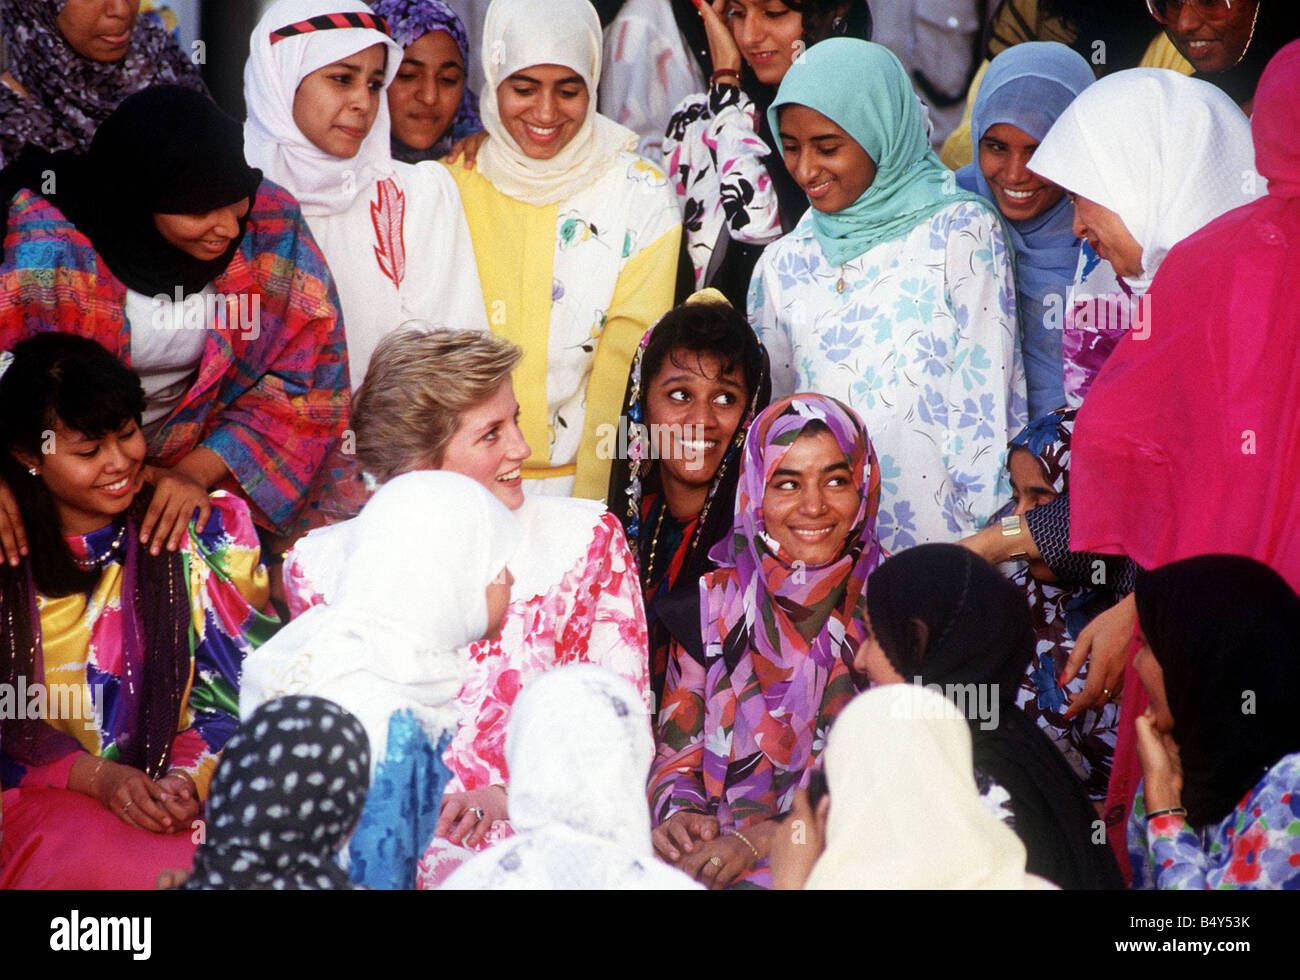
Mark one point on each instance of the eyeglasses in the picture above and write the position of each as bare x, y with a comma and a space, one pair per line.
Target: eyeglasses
1168, 11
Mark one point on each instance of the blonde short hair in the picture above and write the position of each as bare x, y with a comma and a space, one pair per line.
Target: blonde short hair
418, 384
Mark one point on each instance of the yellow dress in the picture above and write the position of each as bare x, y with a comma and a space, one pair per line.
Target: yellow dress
576, 285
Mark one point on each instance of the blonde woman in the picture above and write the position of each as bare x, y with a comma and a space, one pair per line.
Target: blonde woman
443, 400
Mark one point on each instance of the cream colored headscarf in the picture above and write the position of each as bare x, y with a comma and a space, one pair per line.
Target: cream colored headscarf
905, 812
518, 34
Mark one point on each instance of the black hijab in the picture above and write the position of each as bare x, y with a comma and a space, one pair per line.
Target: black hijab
1226, 632
289, 790
164, 150
977, 631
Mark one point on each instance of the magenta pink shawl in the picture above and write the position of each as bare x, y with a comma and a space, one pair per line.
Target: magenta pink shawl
1188, 442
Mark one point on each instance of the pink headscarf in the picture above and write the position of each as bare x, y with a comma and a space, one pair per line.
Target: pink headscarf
1188, 443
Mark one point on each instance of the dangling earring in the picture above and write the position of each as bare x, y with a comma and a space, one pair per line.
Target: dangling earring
839, 25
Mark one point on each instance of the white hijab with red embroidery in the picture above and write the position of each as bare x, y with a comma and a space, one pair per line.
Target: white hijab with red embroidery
394, 234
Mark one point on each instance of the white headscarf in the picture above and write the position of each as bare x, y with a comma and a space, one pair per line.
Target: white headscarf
905, 812
519, 34
323, 183
1165, 152
422, 552
579, 750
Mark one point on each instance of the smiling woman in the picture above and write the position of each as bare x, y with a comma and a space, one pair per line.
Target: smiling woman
720, 148
106, 799
443, 400
71, 62
1229, 42
893, 293
1026, 89
744, 720
576, 237
698, 380
161, 219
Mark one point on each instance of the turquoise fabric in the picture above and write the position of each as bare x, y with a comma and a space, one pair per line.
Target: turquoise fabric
863, 88
402, 809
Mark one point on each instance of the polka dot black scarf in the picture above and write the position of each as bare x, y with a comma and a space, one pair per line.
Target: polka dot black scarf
289, 790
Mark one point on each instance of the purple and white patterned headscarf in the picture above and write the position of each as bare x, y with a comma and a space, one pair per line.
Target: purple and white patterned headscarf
68, 95
408, 21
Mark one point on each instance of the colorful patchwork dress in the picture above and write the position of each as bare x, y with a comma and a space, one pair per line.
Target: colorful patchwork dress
58, 838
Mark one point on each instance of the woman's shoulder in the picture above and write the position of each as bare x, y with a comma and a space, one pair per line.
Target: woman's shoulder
428, 176
637, 176
798, 240
34, 216
1281, 779
275, 219
562, 516
967, 210
230, 523
691, 109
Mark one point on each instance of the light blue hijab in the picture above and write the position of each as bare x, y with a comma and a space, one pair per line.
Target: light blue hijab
863, 88
1028, 86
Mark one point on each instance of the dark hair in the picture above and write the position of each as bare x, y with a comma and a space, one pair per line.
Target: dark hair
58, 377
819, 17
1124, 26
704, 328
71, 379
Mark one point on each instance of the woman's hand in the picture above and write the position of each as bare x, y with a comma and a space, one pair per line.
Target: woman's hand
460, 815
180, 796
172, 878
176, 495
682, 833
13, 537
719, 862
723, 49
798, 843
135, 798
469, 147
1162, 767
1103, 645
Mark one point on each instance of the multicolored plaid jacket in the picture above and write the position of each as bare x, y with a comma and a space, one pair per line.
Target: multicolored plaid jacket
270, 400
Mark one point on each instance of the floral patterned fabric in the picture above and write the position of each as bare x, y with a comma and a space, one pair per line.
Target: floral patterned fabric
575, 284
919, 336
1059, 616
714, 158
1255, 847
739, 732
594, 615
1098, 313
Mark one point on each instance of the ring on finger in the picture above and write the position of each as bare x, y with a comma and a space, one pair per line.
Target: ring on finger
715, 861
127, 805
477, 811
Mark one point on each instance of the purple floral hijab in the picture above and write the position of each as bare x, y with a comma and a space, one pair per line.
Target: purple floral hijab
408, 21
69, 95
783, 625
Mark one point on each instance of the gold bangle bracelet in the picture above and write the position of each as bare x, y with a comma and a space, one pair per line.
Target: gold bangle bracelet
94, 773
736, 833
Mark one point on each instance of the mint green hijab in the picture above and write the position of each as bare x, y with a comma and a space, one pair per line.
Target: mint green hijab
863, 88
